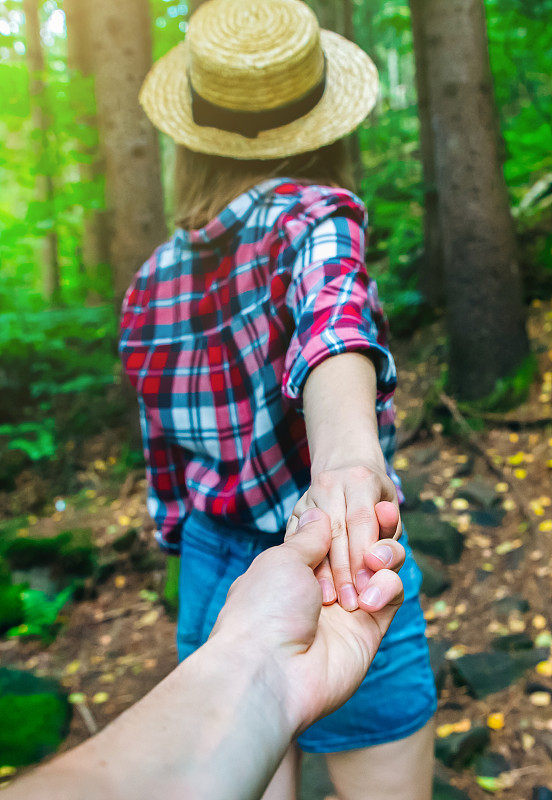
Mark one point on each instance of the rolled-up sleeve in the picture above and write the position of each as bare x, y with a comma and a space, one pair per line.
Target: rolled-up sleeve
333, 301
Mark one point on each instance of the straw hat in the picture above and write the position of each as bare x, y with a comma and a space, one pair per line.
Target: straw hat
258, 79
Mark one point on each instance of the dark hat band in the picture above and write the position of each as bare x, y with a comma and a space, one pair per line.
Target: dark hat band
251, 123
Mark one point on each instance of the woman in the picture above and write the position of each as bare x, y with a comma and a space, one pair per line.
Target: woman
256, 343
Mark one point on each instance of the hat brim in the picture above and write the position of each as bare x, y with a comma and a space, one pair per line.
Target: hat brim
350, 94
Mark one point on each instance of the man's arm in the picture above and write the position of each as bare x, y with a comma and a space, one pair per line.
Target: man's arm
217, 727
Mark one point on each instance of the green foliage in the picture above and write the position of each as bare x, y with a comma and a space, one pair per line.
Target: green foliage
35, 718
508, 392
41, 613
11, 607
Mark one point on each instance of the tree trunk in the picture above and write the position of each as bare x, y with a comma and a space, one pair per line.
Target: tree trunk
44, 179
95, 236
485, 315
431, 275
337, 15
121, 46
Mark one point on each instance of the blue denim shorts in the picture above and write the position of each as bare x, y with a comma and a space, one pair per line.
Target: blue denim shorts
396, 698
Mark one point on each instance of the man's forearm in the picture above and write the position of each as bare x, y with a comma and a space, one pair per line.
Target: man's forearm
219, 731
339, 402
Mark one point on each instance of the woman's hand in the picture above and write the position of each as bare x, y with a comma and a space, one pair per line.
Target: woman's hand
361, 502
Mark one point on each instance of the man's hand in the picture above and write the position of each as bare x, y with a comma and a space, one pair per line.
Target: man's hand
320, 653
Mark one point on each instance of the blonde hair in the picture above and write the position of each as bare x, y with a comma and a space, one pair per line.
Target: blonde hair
205, 184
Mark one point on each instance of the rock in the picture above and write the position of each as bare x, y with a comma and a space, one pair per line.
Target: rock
315, 781
434, 581
442, 790
488, 519
488, 672
480, 493
513, 602
465, 469
511, 642
439, 664
428, 507
534, 686
412, 485
458, 749
491, 764
426, 455
432, 536
541, 793
124, 543
545, 739
481, 575
35, 716
514, 559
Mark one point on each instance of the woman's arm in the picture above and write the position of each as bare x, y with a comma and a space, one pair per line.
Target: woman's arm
348, 475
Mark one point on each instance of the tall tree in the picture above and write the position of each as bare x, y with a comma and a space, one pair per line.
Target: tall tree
95, 238
337, 15
120, 38
485, 315
40, 120
431, 274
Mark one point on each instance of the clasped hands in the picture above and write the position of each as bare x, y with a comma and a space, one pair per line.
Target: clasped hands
318, 655
361, 502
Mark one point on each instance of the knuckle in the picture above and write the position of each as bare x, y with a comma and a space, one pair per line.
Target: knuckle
325, 479
338, 529
361, 473
360, 516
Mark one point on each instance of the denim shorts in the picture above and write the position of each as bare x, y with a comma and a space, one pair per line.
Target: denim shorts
396, 698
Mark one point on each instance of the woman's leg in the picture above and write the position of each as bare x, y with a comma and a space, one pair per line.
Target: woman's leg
284, 784
402, 770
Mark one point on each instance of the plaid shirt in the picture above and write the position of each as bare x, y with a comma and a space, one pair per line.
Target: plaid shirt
219, 332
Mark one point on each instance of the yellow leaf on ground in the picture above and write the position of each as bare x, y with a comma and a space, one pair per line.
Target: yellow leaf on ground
5, 772
539, 622
520, 474
460, 504
495, 721
545, 668
501, 487
545, 526
527, 741
73, 667
120, 581
402, 462
148, 619
516, 459
124, 520
100, 697
540, 699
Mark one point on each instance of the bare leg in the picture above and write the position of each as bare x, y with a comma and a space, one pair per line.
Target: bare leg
283, 785
402, 770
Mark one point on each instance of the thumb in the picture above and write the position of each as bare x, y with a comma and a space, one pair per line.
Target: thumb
312, 537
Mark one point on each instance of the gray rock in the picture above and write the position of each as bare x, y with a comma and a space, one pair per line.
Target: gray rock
488, 519
458, 749
513, 602
412, 485
432, 536
435, 581
491, 764
426, 455
480, 493
511, 642
541, 793
442, 790
488, 672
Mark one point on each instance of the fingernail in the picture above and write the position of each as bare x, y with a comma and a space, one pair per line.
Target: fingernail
348, 597
383, 553
362, 579
371, 597
328, 591
310, 515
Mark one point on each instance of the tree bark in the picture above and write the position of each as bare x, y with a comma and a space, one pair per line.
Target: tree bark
337, 15
431, 274
485, 314
40, 119
121, 46
95, 236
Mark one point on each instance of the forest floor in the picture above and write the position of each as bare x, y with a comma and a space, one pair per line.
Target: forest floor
119, 643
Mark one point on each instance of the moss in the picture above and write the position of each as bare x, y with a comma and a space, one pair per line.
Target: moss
71, 552
11, 608
509, 392
33, 726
